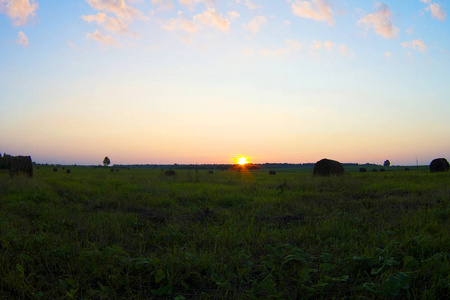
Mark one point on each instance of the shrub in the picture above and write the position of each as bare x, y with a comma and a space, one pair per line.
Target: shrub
20, 164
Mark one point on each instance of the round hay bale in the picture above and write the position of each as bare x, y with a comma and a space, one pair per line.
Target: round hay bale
406, 169
112, 170
170, 173
55, 169
328, 167
272, 172
68, 171
210, 172
117, 170
374, 170
382, 170
362, 170
439, 165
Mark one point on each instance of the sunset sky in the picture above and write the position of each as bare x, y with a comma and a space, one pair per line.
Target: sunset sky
205, 81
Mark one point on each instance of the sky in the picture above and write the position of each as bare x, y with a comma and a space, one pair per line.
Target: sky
207, 81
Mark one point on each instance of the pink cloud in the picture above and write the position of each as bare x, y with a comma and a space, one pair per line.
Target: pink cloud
213, 18
250, 4
418, 45
164, 4
345, 51
117, 7
19, 11
109, 23
329, 45
180, 23
437, 12
103, 40
23, 40
380, 21
318, 10
255, 24
192, 3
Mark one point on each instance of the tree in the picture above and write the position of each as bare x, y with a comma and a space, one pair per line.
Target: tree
387, 163
106, 161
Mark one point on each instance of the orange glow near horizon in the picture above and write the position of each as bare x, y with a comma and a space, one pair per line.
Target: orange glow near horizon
242, 160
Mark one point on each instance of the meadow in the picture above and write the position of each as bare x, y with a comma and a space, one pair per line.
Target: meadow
138, 234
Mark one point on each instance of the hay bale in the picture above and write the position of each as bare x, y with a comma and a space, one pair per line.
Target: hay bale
62, 168
55, 169
68, 171
439, 165
20, 164
362, 170
406, 169
170, 173
382, 170
211, 172
117, 170
328, 167
272, 172
112, 170
374, 170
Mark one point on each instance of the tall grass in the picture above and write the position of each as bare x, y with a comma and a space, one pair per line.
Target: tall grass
139, 234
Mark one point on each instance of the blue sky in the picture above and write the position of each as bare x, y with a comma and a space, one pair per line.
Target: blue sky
204, 81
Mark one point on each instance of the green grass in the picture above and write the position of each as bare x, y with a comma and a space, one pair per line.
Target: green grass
137, 234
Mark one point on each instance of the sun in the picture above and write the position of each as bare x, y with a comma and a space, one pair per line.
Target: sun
242, 160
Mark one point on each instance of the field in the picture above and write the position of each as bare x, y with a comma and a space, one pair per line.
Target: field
138, 234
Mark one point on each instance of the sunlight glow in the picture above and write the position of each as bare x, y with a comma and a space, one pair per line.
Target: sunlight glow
242, 160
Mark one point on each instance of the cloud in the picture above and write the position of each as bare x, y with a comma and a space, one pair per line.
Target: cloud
329, 45
276, 52
164, 4
317, 46
117, 7
23, 40
254, 25
250, 4
180, 23
388, 54
292, 46
233, 15
109, 23
213, 18
418, 45
345, 51
192, 3
72, 45
437, 11
19, 11
380, 21
410, 30
286, 22
425, 1
103, 40
318, 10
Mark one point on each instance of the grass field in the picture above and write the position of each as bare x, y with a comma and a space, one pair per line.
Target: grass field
137, 234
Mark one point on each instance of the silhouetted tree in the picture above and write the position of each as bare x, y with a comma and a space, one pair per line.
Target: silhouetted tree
106, 161
387, 163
